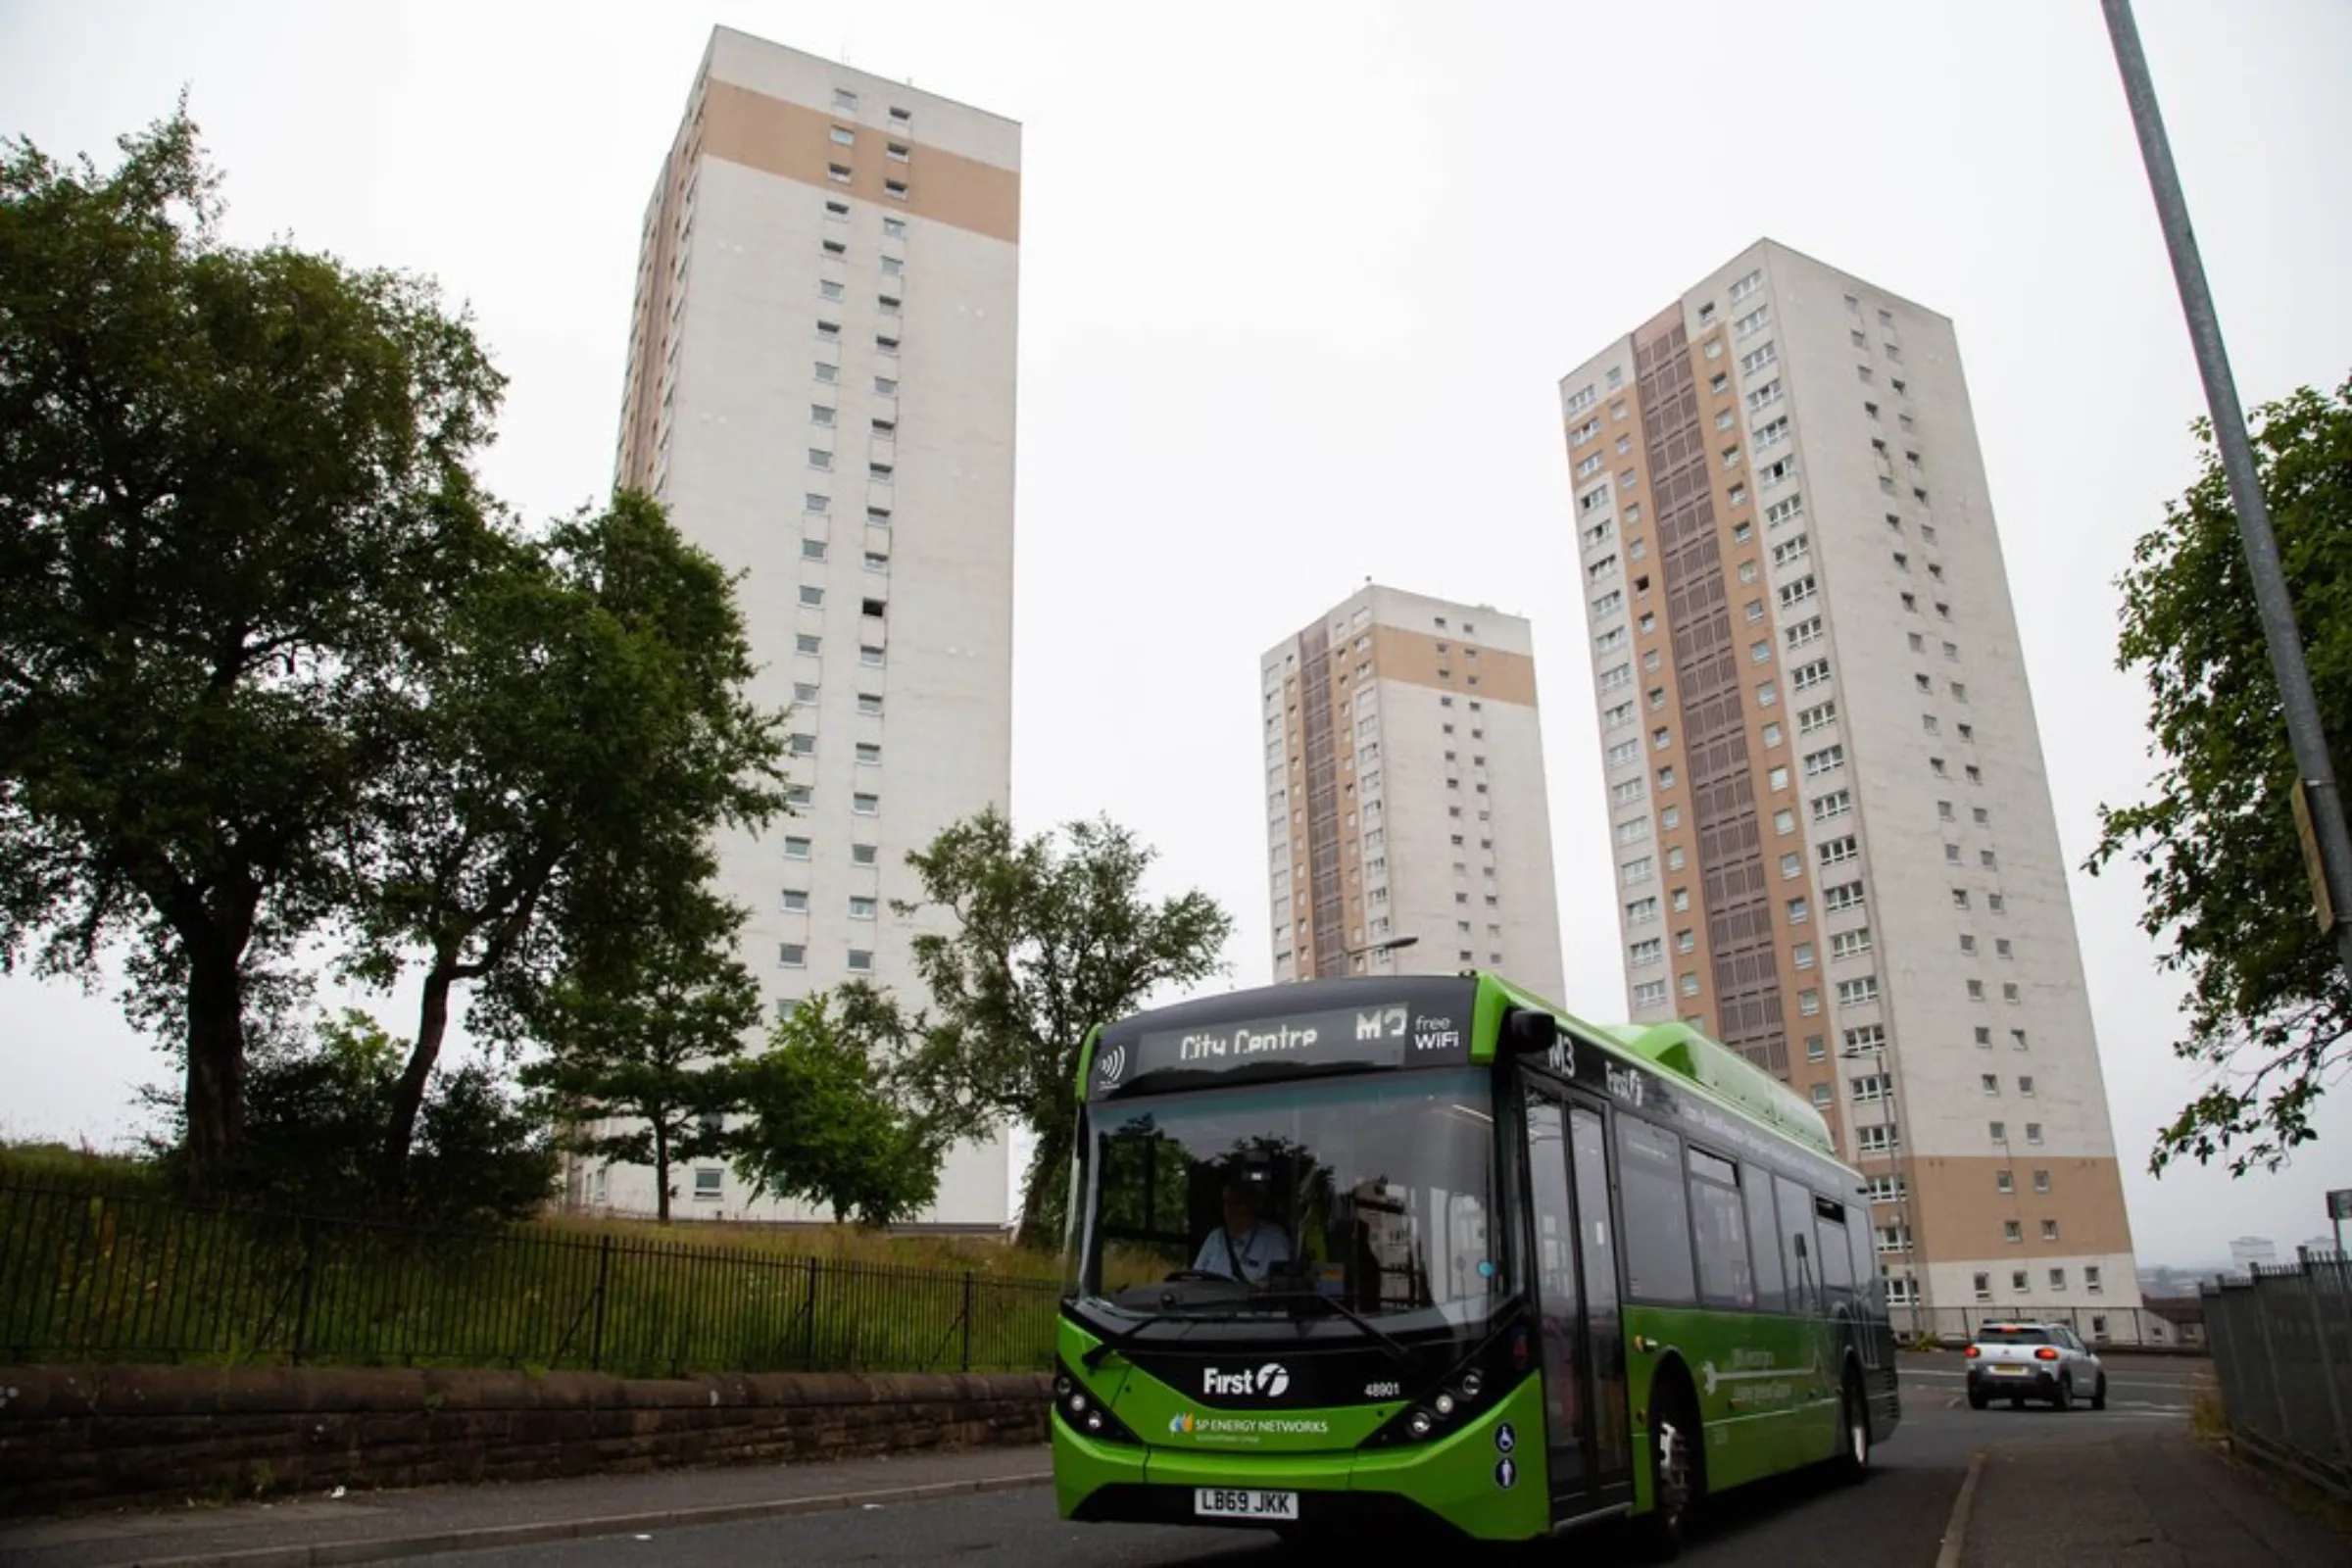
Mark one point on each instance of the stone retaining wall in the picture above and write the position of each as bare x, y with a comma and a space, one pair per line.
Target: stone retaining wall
73, 1439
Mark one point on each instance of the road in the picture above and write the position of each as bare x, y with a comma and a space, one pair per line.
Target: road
1897, 1518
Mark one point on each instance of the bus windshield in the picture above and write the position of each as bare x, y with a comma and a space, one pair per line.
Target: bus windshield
1375, 1193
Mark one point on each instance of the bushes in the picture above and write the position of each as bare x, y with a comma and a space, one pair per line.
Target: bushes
315, 1123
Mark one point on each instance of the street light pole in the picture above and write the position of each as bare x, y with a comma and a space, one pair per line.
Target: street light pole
1392, 945
2316, 778
1890, 1117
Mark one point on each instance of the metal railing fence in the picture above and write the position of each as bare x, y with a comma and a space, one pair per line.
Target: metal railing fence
92, 1273
2121, 1327
2281, 1342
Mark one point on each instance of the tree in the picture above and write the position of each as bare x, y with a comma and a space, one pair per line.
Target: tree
579, 726
316, 1105
643, 1040
829, 1122
1044, 947
234, 492
2223, 870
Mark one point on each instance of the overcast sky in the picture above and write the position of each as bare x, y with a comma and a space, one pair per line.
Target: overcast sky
1297, 285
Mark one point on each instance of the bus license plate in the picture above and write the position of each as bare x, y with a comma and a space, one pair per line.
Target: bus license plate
1224, 1503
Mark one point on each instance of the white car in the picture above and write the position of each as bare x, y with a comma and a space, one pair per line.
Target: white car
2021, 1361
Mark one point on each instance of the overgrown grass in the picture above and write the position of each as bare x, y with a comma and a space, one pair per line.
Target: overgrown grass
996, 1257
114, 1273
99, 1261
843, 1243
69, 1162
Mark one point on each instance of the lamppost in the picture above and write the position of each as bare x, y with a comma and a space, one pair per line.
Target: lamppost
2319, 809
1890, 1117
1357, 956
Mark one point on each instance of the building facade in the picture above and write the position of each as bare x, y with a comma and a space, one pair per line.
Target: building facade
2253, 1251
1834, 844
821, 388
1405, 794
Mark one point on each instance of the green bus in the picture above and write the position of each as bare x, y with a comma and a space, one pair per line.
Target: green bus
1372, 1254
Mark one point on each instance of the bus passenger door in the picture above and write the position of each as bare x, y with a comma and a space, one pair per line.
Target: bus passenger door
1574, 1272
1612, 1404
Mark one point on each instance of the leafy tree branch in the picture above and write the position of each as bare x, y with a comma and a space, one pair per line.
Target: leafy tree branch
2270, 1010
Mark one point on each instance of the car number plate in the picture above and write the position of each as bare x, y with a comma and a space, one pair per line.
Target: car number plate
2009, 1371
1227, 1503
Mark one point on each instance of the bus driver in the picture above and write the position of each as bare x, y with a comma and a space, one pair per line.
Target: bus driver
1246, 1247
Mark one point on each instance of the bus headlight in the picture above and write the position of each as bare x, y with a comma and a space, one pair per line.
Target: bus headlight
1083, 1412
1462, 1398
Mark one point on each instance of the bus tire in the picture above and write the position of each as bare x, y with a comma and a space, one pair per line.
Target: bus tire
1677, 1480
1852, 1463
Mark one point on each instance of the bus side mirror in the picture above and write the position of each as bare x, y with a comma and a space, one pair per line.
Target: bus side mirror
1533, 1031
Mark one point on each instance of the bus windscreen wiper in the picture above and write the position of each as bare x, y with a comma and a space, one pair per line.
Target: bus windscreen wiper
1108, 1339
1387, 1341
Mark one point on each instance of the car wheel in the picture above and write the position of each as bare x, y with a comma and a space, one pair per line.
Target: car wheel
2065, 1397
1977, 1400
2099, 1393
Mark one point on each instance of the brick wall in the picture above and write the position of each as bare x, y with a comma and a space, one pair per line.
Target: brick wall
76, 1438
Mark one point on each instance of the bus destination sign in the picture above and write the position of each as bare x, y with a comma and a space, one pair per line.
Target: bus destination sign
1379, 1034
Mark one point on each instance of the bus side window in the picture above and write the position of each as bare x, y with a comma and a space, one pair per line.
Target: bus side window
1836, 1255
1764, 1239
1659, 1265
1861, 1240
1795, 1206
1725, 1278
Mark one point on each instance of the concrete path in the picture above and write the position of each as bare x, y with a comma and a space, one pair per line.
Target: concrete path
373, 1527
2159, 1497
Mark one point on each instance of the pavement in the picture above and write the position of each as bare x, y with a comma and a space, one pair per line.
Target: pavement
2148, 1497
1956, 1488
382, 1526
